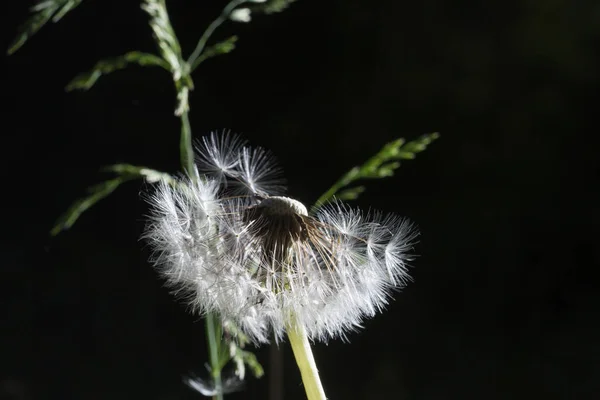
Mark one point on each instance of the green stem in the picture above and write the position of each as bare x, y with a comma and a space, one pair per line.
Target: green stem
306, 362
212, 328
186, 149
212, 323
211, 28
345, 180
325, 197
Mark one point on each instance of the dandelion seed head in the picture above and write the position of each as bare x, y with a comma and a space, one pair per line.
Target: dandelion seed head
260, 259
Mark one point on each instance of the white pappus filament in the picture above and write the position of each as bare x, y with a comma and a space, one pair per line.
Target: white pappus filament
231, 244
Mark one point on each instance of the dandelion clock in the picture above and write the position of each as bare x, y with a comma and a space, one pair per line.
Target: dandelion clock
230, 243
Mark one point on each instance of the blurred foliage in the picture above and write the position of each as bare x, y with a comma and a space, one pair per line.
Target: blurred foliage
86, 80
222, 47
273, 6
125, 173
42, 13
381, 165
237, 340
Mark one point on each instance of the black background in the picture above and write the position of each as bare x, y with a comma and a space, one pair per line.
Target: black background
504, 303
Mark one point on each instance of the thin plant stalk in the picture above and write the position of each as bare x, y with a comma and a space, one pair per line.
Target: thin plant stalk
211, 28
212, 329
212, 322
306, 362
186, 149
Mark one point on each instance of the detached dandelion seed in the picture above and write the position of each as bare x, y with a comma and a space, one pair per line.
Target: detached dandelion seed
233, 245
207, 388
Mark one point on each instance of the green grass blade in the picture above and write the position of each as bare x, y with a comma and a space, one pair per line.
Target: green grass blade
42, 13
381, 165
97, 193
87, 79
125, 172
223, 47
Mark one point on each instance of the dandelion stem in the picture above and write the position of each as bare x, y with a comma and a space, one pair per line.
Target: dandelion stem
306, 362
213, 349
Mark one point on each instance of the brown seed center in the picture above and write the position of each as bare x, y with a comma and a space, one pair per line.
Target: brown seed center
277, 223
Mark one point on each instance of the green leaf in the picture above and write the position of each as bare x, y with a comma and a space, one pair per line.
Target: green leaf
42, 13
86, 80
224, 47
125, 172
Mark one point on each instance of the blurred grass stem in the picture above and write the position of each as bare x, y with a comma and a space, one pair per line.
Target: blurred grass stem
212, 329
211, 28
186, 149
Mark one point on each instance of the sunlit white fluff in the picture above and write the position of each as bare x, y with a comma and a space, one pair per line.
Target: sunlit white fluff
260, 260
207, 388
218, 155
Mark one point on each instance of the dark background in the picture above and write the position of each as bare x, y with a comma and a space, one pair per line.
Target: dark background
504, 303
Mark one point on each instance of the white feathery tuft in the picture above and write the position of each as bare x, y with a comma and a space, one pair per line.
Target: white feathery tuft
248, 171
259, 259
218, 155
259, 174
209, 389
